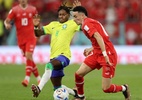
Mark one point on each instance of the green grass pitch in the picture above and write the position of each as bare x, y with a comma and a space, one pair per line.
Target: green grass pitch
11, 89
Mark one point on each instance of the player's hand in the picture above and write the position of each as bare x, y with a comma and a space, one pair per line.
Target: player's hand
107, 61
87, 51
8, 26
36, 20
76, 3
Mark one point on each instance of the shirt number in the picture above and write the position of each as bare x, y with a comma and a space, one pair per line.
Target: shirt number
24, 21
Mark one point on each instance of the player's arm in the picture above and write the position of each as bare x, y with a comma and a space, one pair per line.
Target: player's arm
76, 3
7, 23
101, 43
38, 31
87, 51
37, 28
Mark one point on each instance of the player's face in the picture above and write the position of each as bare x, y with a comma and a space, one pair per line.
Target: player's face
78, 17
63, 16
23, 2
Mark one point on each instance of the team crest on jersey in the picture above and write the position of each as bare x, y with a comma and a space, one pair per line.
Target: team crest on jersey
86, 28
30, 14
24, 14
18, 15
64, 26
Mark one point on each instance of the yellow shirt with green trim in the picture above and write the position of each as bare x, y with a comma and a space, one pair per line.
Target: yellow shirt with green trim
61, 37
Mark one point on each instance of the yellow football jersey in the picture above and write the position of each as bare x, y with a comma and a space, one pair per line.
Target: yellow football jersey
61, 37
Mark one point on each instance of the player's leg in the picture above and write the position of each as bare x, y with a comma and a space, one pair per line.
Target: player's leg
36, 73
28, 71
53, 64
30, 46
59, 64
79, 80
108, 87
48, 73
56, 78
31, 63
28, 67
88, 65
36, 89
108, 73
57, 82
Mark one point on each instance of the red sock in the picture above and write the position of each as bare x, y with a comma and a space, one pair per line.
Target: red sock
113, 89
29, 67
79, 81
35, 70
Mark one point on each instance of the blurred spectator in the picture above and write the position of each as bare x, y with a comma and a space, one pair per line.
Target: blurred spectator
133, 12
121, 7
8, 4
138, 40
131, 36
1, 31
39, 4
3, 11
111, 19
132, 32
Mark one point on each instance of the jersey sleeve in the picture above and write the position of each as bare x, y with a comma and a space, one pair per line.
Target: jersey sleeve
48, 28
90, 28
11, 14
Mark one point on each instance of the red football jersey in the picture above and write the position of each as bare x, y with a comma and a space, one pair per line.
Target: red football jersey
23, 19
89, 27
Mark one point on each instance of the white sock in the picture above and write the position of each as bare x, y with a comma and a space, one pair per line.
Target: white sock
27, 78
70, 91
123, 88
46, 76
81, 95
38, 78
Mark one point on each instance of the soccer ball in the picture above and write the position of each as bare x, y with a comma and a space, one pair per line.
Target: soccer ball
61, 94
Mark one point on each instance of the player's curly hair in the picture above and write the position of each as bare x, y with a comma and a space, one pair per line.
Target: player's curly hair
64, 7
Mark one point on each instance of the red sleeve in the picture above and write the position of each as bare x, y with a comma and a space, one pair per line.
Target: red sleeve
89, 28
11, 14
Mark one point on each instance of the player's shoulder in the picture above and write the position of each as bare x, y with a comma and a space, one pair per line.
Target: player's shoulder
54, 22
15, 7
91, 20
31, 6
71, 21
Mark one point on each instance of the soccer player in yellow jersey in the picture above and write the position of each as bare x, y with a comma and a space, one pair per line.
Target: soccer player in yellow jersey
61, 32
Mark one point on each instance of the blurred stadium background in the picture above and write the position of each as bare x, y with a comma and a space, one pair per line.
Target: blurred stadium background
122, 20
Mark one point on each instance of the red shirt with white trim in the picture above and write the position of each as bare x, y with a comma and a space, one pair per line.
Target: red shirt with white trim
89, 27
23, 19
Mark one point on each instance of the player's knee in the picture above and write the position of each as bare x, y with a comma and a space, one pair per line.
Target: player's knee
57, 73
57, 65
49, 66
28, 56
